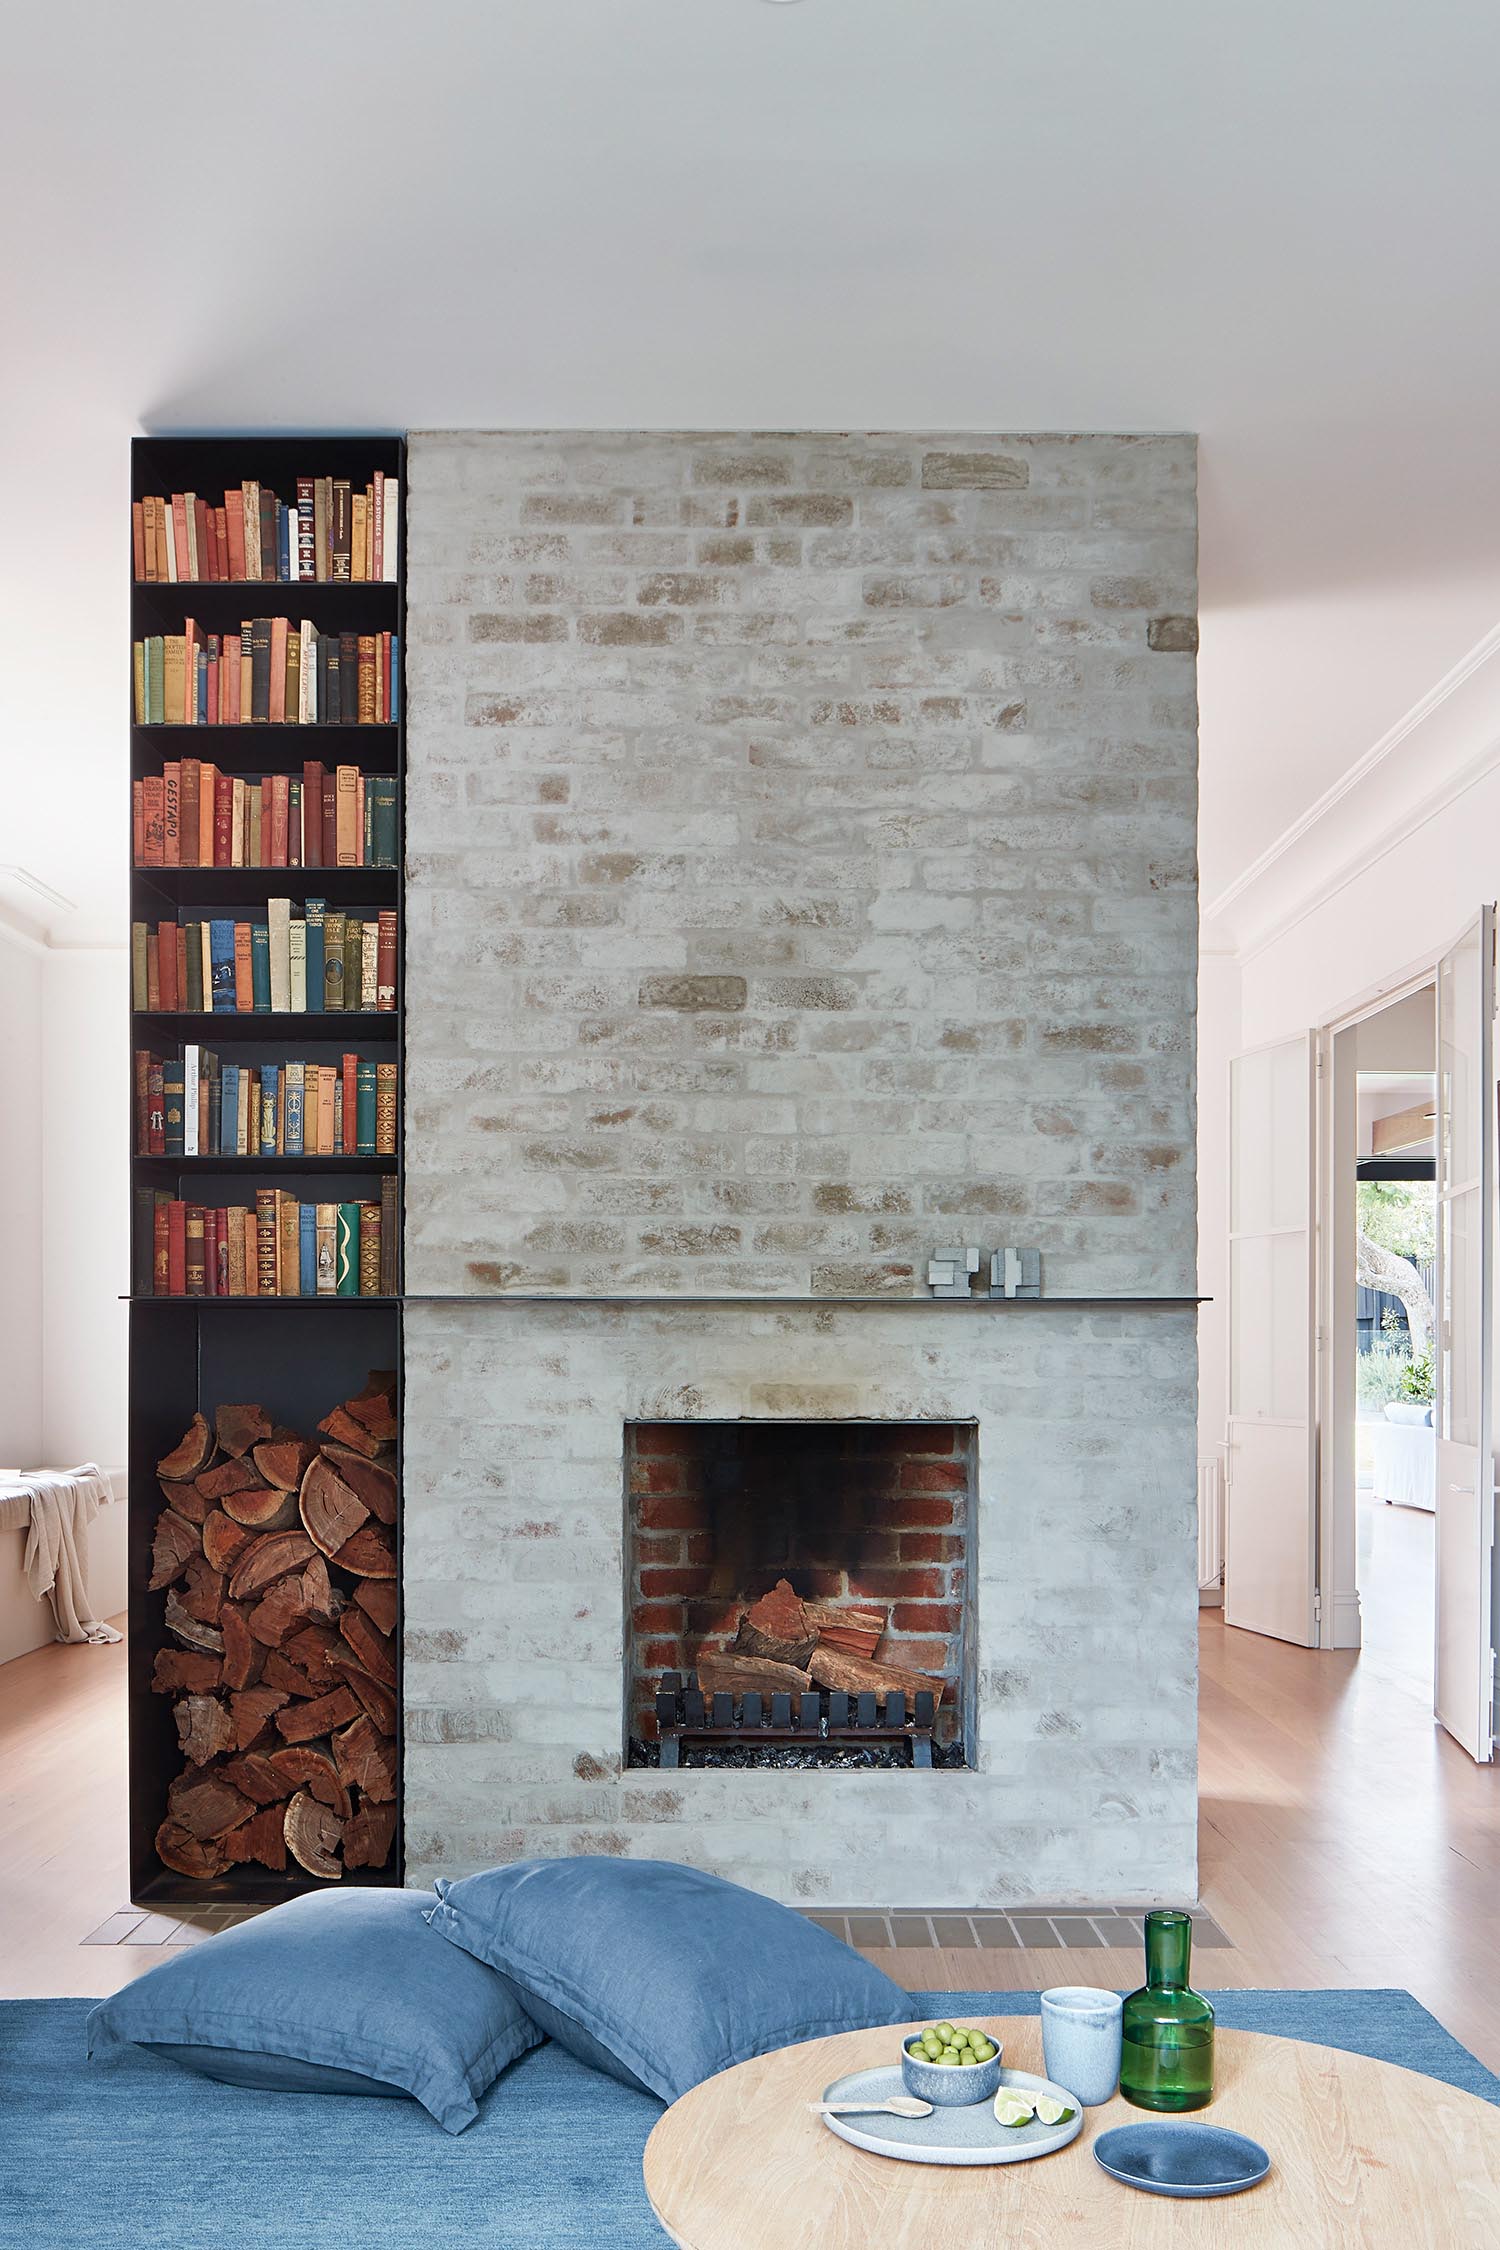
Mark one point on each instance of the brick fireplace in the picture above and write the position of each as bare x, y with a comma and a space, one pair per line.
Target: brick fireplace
800, 880
844, 1512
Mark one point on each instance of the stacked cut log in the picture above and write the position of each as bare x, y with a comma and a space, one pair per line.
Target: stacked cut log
277, 1556
786, 1646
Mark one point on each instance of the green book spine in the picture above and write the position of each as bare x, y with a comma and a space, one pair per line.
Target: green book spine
260, 968
333, 960
365, 1083
348, 1250
194, 1000
380, 799
156, 679
138, 964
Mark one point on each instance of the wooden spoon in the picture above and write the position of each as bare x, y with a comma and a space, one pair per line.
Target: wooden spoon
899, 2105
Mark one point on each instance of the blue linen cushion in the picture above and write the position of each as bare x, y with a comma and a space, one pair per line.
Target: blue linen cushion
660, 1974
340, 1992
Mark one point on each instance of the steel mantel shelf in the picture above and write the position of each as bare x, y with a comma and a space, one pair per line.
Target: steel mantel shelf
822, 1304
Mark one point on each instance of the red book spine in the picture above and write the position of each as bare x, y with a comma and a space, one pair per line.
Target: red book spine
138, 822
180, 950
330, 817
176, 1249
151, 854
160, 1255
223, 820
142, 1133
205, 545
312, 812
229, 658
153, 974
234, 527
166, 966
138, 537
351, 1098
279, 786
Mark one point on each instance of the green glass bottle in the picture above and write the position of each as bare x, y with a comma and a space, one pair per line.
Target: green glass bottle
1167, 2030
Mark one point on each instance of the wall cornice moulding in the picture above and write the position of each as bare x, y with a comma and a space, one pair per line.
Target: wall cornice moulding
1447, 741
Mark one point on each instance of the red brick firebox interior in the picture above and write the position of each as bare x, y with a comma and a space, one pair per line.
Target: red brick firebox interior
717, 1512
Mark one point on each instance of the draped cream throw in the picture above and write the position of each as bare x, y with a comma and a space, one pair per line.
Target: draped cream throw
58, 1505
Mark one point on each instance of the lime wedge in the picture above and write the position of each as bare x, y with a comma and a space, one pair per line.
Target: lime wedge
1050, 2111
1012, 2108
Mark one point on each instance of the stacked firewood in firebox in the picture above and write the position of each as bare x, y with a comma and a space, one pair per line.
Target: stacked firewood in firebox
277, 1555
784, 1645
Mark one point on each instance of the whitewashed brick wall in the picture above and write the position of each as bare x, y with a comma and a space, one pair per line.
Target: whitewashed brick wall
801, 854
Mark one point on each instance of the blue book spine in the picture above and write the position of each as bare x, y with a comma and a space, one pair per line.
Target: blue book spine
292, 1134
221, 966
201, 685
307, 1249
260, 967
270, 1078
314, 912
229, 1110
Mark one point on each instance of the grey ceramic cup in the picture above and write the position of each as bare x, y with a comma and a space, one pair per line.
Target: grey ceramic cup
1081, 2041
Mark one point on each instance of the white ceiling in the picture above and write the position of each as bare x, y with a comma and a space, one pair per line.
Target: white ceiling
1272, 225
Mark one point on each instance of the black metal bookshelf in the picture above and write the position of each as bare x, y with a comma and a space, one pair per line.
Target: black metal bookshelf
298, 1356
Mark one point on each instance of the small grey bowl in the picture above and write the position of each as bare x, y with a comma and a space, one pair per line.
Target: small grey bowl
949, 2088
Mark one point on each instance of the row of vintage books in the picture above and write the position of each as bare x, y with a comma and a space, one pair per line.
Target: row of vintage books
197, 1104
332, 531
275, 1246
192, 815
268, 672
321, 961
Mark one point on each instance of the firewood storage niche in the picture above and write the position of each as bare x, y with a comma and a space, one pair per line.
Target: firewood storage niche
799, 1593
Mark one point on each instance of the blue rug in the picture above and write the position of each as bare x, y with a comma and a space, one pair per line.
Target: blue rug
130, 2151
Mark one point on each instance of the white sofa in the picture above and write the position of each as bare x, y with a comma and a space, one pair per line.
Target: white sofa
1404, 1451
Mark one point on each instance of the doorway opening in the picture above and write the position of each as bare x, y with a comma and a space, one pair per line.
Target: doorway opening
1394, 1309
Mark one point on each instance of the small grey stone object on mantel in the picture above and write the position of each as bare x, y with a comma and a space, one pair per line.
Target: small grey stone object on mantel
950, 1272
1016, 1273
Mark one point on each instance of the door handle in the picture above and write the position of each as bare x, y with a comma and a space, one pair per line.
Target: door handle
1462, 1488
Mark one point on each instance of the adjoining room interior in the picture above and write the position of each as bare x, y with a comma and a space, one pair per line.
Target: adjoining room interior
748, 953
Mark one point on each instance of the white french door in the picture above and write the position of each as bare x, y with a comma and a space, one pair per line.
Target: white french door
1270, 1558
1463, 1668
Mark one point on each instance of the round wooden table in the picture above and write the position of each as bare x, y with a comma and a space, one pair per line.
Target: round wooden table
1362, 2154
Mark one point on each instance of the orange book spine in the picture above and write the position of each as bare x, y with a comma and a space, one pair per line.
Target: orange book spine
278, 671
278, 786
244, 985
138, 822
138, 538
153, 971
171, 809
151, 855
351, 1100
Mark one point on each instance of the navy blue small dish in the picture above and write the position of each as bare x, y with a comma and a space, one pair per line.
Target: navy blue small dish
1181, 2159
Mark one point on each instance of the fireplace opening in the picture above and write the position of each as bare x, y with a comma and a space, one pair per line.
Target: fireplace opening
799, 1593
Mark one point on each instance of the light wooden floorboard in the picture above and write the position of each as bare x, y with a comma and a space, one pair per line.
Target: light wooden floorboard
1344, 1839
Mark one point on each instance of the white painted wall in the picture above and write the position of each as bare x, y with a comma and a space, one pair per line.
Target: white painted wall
1393, 915
64, 1224
21, 971
1218, 1042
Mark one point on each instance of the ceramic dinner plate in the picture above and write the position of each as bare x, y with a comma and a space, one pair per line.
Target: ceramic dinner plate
967, 2135
1181, 2159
